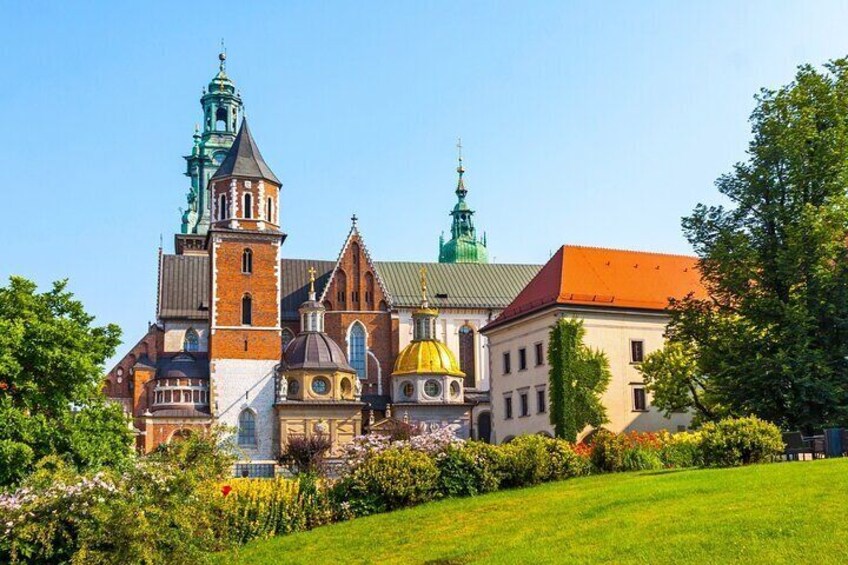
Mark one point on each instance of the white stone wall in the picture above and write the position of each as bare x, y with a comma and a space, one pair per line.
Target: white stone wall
610, 331
239, 384
175, 335
447, 331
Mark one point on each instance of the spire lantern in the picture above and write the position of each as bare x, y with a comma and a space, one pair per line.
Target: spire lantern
464, 246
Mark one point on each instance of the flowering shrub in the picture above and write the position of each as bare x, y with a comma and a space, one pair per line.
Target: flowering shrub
390, 479
681, 450
363, 447
635, 451
532, 459
469, 468
740, 441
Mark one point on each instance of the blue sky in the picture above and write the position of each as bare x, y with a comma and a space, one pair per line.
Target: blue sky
582, 123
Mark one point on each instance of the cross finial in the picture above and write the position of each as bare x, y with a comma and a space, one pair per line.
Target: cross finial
311, 272
353, 220
423, 273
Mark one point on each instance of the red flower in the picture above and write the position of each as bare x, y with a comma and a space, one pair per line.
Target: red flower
226, 489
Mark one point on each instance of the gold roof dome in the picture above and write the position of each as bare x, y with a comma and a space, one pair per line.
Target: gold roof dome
427, 357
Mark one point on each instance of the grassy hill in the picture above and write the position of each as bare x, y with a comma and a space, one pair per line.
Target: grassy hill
780, 513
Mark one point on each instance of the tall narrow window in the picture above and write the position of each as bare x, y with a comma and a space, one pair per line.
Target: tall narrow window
540, 356
507, 363
192, 340
369, 291
541, 406
637, 350
507, 407
467, 354
247, 429
357, 351
247, 261
248, 205
525, 404
269, 210
223, 212
341, 286
522, 358
246, 310
640, 402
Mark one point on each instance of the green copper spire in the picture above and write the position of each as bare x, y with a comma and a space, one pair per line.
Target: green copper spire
222, 109
463, 246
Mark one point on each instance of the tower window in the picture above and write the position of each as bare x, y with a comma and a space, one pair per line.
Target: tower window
221, 119
192, 340
247, 261
246, 310
247, 429
357, 351
248, 206
269, 210
223, 212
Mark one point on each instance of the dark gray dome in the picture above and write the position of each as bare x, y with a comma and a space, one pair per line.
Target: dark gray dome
315, 351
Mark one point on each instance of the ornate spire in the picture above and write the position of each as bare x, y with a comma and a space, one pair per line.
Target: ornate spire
423, 273
463, 246
461, 191
311, 272
222, 57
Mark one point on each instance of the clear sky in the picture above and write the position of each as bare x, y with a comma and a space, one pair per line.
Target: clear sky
581, 123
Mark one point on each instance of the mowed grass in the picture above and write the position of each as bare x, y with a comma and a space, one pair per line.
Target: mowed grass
780, 513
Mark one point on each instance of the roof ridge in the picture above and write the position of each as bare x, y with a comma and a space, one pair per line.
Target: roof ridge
620, 250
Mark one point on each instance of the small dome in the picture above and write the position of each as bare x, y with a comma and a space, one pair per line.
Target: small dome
314, 350
429, 357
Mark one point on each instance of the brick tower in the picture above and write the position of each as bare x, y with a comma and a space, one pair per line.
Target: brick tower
245, 335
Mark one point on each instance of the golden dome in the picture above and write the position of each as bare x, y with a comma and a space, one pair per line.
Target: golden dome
429, 357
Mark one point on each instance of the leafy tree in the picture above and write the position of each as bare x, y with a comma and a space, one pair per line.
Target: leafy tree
578, 376
51, 373
772, 338
672, 377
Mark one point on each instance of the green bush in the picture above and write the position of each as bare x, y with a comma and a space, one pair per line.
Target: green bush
682, 450
15, 460
388, 480
641, 458
469, 469
608, 450
533, 459
740, 441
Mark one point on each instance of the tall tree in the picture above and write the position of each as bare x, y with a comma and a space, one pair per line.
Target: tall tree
51, 374
772, 339
578, 377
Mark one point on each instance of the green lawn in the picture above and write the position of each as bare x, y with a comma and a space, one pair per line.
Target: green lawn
788, 512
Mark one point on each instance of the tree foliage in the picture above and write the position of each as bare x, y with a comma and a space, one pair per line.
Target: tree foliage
772, 339
578, 376
51, 373
672, 377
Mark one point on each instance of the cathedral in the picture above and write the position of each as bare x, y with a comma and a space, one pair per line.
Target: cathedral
276, 347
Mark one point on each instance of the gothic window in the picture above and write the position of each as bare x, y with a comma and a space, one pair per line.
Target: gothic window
192, 340
369, 291
287, 337
269, 210
221, 119
356, 349
247, 261
247, 428
246, 310
223, 212
341, 286
248, 206
467, 354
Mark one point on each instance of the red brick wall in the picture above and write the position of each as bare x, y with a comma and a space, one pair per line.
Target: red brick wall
151, 345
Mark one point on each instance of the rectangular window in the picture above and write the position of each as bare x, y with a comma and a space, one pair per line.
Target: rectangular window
507, 408
637, 350
525, 404
540, 355
522, 359
507, 363
541, 407
640, 403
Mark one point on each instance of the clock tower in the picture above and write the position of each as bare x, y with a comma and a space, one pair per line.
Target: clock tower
222, 111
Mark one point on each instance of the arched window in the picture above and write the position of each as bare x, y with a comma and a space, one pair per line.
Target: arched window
356, 349
192, 340
247, 261
221, 119
369, 291
248, 205
223, 212
287, 337
246, 310
269, 210
247, 428
341, 286
467, 354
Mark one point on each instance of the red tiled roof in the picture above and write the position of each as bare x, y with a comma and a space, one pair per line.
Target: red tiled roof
612, 278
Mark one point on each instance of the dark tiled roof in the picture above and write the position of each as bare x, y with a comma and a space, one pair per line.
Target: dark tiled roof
313, 350
183, 365
184, 291
456, 285
245, 160
295, 282
181, 413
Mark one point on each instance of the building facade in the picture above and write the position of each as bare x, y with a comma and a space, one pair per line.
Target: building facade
621, 298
